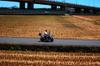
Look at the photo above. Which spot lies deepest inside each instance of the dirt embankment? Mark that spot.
(59, 26)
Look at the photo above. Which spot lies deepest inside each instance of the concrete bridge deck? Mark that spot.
(53, 2)
(78, 8)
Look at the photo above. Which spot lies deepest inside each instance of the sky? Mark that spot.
(95, 3)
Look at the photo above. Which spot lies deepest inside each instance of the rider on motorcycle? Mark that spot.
(46, 36)
(46, 33)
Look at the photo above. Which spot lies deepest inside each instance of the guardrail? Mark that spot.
(30, 12)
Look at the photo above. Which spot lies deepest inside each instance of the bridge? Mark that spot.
(54, 3)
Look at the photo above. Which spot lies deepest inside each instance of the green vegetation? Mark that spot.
(50, 48)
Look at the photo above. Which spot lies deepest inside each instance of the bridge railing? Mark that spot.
(62, 1)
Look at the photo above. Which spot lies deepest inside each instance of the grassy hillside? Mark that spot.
(60, 26)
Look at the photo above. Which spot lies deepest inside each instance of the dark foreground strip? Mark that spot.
(50, 48)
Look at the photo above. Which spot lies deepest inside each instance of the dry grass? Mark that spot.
(93, 19)
(28, 58)
(60, 26)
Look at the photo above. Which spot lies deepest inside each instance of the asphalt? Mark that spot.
(57, 42)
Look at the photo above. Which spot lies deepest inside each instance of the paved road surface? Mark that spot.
(57, 42)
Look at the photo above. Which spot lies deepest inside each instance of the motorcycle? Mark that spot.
(46, 38)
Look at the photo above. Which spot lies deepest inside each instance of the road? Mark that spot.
(57, 42)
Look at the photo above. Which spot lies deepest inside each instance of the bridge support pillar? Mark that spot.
(86, 11)
(94, 11)
(77, 10)
(22, 5)
(30, 5)
(53, 7)
(62, 8)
